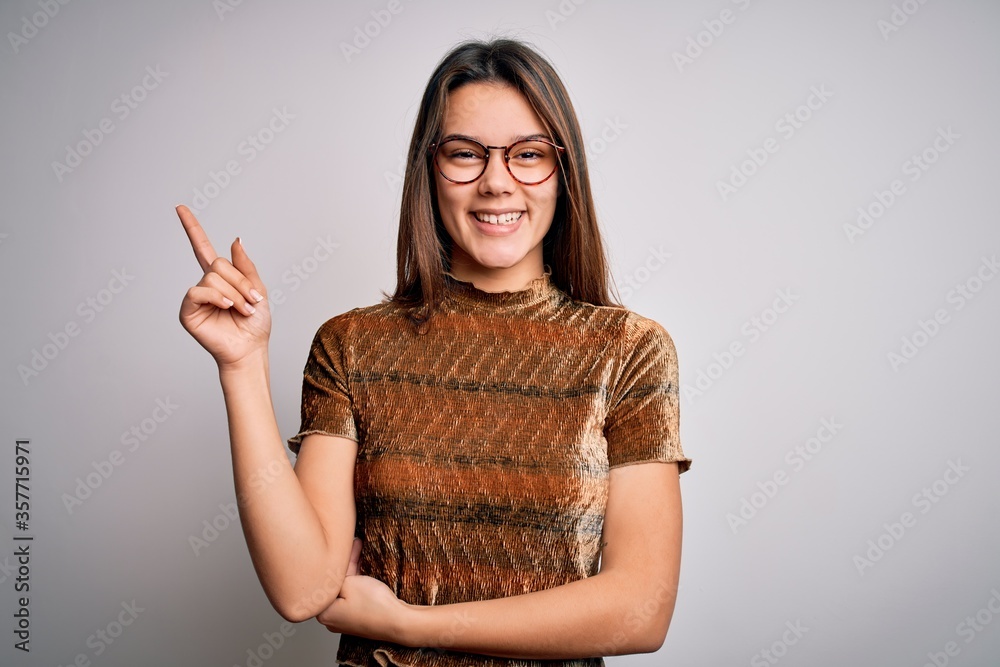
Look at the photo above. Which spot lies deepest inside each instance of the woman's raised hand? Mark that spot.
(227, 312)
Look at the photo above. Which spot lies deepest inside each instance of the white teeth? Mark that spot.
(502, 219)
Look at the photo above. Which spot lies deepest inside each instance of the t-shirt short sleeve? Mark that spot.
(643, 418)
(326, 400)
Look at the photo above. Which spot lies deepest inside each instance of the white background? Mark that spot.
(663, 133)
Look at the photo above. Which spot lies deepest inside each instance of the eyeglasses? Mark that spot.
(529, 162)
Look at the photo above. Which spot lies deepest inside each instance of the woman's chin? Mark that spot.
(496, 262)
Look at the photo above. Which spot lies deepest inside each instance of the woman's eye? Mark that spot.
(528, 153)
(526, 159)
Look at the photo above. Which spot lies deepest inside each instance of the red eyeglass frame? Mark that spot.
(506, 158)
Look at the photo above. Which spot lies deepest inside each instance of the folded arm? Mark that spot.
(625, 608)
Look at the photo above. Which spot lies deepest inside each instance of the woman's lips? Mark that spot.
(499, 228)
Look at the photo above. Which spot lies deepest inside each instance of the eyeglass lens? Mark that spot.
(464, 161)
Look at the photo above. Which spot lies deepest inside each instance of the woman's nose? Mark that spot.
(496, 179)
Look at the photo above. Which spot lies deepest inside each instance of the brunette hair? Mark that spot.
(572, 246)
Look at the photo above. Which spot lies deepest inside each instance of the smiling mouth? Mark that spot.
(501, 219)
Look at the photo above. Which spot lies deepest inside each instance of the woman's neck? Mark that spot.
(509, 279)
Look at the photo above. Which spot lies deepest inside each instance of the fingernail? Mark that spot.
(240, 241)
(250, 309)
(255, 294)
(227, 301)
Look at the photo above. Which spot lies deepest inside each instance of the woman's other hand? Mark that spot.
(366, 607)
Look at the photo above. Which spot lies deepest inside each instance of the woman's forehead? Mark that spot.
(478, 108)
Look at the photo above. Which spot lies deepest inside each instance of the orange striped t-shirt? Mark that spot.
(484, 444)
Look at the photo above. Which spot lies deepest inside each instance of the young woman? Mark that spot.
(488, 460)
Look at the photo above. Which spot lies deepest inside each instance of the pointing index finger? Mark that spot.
(202, 247)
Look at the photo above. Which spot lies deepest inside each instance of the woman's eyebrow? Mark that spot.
(531, 137)
(457, 136)
(514, 140)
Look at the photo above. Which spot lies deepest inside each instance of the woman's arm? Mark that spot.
(625, 608)
(298, 523)
(299, 531)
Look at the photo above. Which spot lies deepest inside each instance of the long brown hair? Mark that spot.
(572, 246)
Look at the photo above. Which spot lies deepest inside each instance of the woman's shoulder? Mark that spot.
(636, 333)
(629, 323)
(636, 324)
